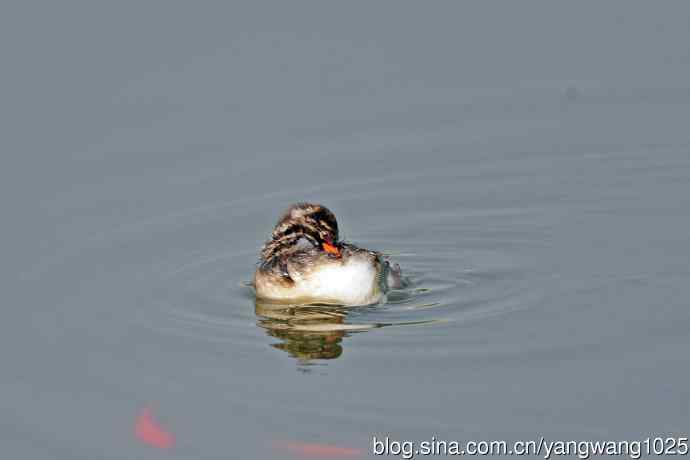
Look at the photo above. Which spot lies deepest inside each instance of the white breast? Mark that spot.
(356, 282)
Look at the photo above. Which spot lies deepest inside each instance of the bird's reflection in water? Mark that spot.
(307, 332)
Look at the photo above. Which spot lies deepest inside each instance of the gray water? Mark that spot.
(527, 164)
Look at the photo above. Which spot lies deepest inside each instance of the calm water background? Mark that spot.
(528, 164)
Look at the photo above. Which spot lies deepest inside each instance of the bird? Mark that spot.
(305, 262)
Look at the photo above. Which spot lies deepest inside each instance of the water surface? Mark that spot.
(527, 166)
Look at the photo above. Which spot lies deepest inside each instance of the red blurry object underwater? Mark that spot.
(148, 431)
(151, 433)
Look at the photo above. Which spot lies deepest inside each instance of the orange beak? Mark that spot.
(331, 249)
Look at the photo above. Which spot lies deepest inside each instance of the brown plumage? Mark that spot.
(314, 222)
